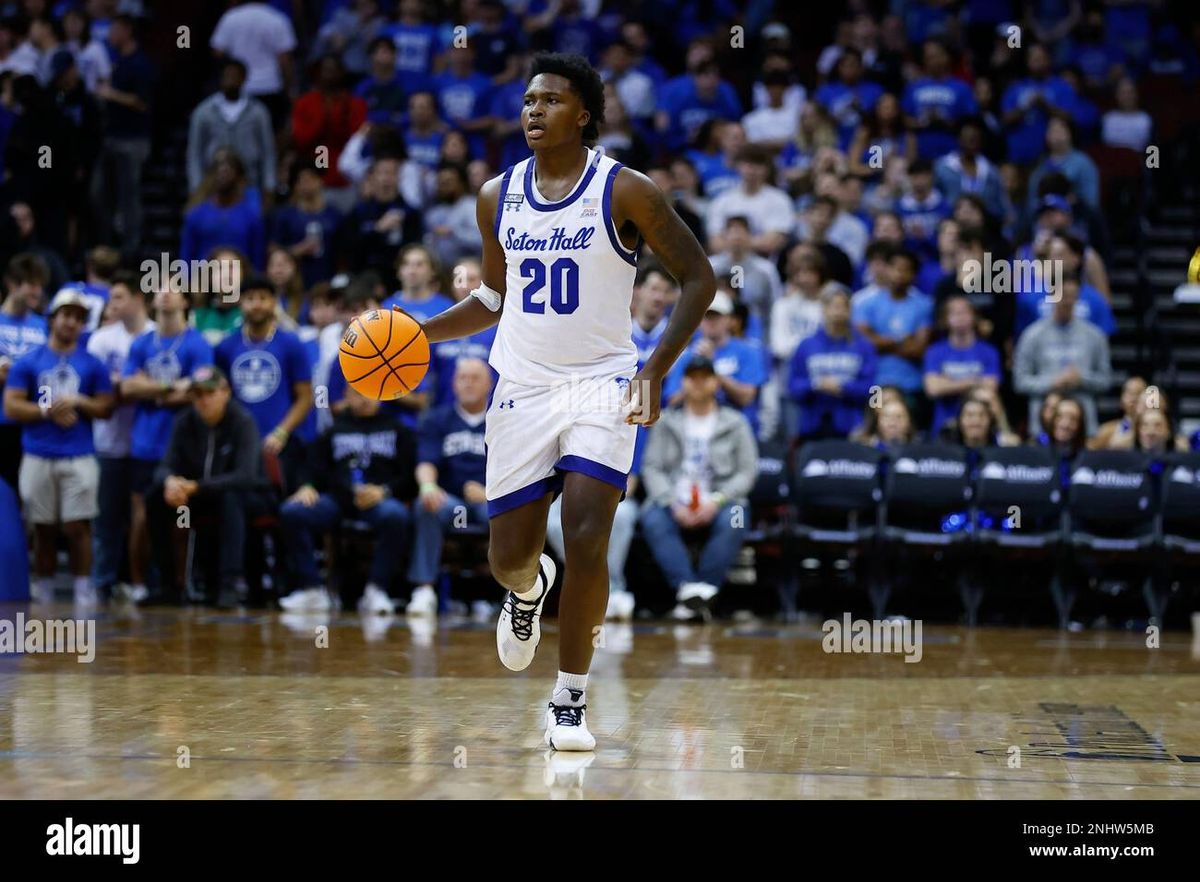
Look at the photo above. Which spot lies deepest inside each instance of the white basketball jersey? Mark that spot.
(569, 280)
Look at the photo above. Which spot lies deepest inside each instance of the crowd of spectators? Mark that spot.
(868, 216)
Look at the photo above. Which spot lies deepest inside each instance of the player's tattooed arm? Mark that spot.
(470, 315)
(637, 201)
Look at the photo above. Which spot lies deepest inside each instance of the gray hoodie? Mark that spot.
(249, 135)
(1046, 349)
(732, 453)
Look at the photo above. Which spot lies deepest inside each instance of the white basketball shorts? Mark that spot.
(534, 434)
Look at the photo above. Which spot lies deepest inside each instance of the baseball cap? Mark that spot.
(699, 363)
(721, 304)
(1054, 203)
(206, 377)
(69, 297)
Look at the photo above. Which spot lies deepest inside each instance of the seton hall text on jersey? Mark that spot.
(558, 240)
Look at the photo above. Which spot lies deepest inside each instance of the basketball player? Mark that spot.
(561, 233)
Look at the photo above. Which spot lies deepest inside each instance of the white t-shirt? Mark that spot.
(768, 211)
(771, 124)
(111, 345)
(256, 34)
(695, 481)
(794, 318)
(94, 64)
(1126, 129)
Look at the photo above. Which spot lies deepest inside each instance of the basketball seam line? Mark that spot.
(386, 361)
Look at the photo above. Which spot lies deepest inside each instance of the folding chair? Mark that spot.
(1017, 516)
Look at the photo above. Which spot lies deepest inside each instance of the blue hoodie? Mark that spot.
(850, 361)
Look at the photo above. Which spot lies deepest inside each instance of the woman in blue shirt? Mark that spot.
(224, 210)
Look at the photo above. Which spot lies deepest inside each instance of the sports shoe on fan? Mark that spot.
(306, 600)
(518, 629)
(424, 602)
(682, 614)
(376, 602)
(566, 724)
(698, 597)
(87, 597)
(620, 606)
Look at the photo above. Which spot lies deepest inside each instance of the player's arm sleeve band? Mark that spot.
(491, 299)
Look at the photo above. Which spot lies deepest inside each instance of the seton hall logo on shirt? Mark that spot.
(558, 240)
(255, 376)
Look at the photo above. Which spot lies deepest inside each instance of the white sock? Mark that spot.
(534, 591)
(44, 586)
(571, 687)
(139, 587)
(82, 584)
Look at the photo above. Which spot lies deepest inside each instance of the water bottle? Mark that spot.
(314, 230)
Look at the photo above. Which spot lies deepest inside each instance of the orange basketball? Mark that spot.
(384, 354)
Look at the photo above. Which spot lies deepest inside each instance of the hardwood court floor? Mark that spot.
(194, 703)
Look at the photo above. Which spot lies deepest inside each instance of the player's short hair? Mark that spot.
(737, 220)
(584, 80)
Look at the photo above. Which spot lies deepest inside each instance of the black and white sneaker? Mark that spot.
(519, 630)
(566, 723)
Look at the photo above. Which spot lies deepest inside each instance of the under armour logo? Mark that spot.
(507, 404)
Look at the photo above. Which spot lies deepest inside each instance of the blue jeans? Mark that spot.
(665, 538)
(431, 527)
(300, 522)
(624, 522)
(111, 529)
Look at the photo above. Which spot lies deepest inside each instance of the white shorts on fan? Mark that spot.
(534, 434)
(59, 491)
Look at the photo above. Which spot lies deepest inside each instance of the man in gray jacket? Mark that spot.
(230, 118)
(1063, 353)
(700, 464)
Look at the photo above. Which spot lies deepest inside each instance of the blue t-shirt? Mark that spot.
(847, 104)
(421, 310)
(311, 342)
(737, 358)
(1027, 136)
(920, 219)
(17, 337)
(59, 374)
(715, 175)
(425, 150)
(506, 104)
(452, 444)
(688, 111)
(164, 360)
(463, 100)
(949, 100)
(416, 46)
(262, 373)
(445, 358)
(208, 226)
(980, 359)
(291, 225)
(1090, 307)
(895, 319)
